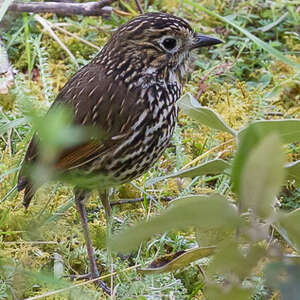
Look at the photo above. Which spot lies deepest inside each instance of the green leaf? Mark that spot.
(204, 115)
(60, 134)
(291, 224)
(249, 137)
(284, 276)
(8, 172)
(208, 237)
(4, 6)
(88, 181)
(252, 37)
(234, 293)
(216, 166)
(12, 124)
(185, 199)
(178, 260)
(283, 233)
(262, 176)
(58, 286)
(212, 211)
(3, 216)
(288, 130)
(293, 172)
(246, 143)
(230, 258)
(273, 24)
(60, 211)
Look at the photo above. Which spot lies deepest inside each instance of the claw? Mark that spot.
(89, 276)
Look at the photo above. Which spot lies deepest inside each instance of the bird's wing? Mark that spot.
(97, 101)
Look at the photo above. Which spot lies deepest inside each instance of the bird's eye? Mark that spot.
(169, 43)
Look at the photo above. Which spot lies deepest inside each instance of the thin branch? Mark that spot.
(200, 157)
(31, 243)
(74, 36)
(99, 8)
(81, 284)
(6, 71)
(139, 6)
(48, 28)
(121, 12)
(136, 200)
(63, 1)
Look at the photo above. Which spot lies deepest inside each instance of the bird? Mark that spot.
(128, 91)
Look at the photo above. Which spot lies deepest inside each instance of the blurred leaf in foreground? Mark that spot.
(56, 135)
(232, 293)
(246, 143)
(212, 211)
(291, 224)
(288, 130)
(231, 258)
(230, 267)
(262, 176)
(55, 132)
(285, 277)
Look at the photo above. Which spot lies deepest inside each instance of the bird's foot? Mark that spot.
(90, 276)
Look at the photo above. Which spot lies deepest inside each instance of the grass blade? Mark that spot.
(252, 37)
(4, 8)
(216, 166)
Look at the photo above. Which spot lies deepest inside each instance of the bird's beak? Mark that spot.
(201, 40)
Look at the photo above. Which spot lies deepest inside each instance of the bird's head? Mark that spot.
(153, 43)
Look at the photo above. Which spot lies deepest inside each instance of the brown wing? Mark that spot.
(98, 101)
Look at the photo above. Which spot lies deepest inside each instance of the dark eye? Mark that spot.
(169, 43)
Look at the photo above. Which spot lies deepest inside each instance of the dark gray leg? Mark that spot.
(80, 197)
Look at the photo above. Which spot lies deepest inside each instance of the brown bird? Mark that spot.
(129, 92)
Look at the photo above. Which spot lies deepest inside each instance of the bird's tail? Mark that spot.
(24, 183)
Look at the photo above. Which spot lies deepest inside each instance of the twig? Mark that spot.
(74, 36)
(276, 114)
(200, 157)
(138, 4)
(30, 243)
(99, 8)
(48, 28)
(121, 12)
(63, 1)
(6, 71)
(136, 200)
(81, 284)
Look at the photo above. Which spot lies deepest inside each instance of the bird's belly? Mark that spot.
(142, 155)
(133, 157)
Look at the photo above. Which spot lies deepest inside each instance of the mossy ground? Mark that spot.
(237, 79)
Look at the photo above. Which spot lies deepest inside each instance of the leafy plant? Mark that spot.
(257, 173)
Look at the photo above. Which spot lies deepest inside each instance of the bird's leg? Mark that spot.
(80, 197)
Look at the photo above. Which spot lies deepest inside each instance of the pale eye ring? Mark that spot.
(169, 43)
